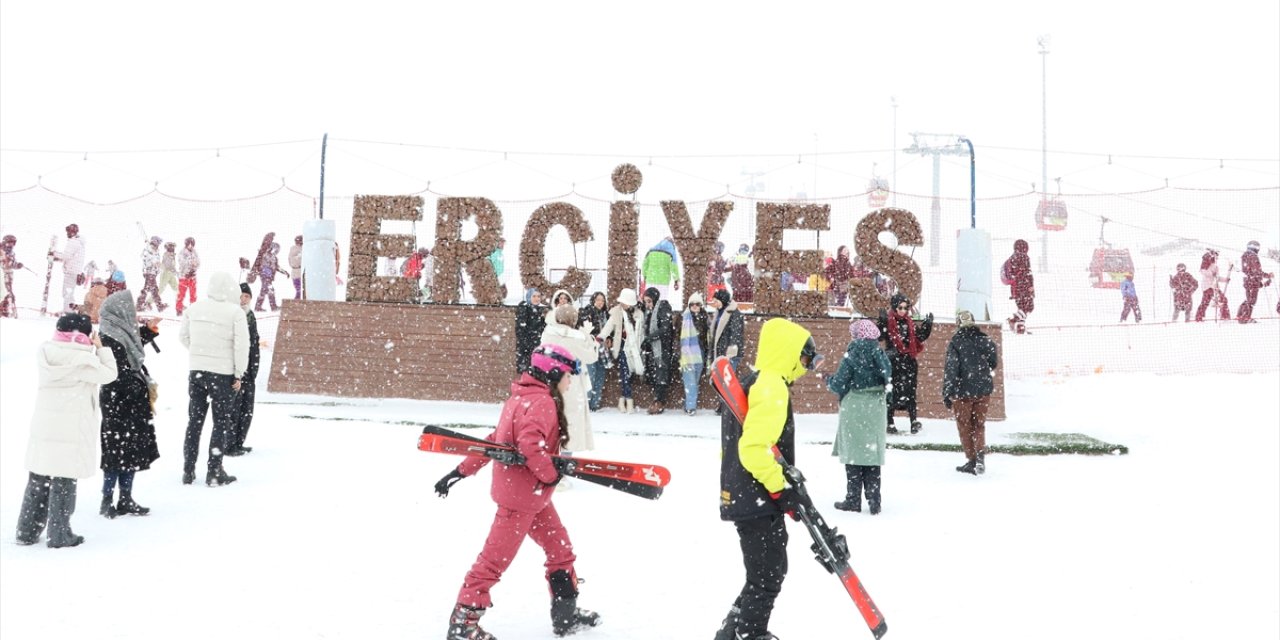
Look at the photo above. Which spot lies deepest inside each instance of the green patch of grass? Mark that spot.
(1031, 444)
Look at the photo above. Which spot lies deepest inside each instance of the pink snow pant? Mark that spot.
(508, 531)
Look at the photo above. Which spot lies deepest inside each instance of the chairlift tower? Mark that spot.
(936, 145)
(1043, 42)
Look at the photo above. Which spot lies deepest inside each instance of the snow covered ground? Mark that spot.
(333, 530)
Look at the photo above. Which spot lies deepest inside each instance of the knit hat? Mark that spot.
(627, 297)
(864, 329)
(75, 322)
(553, 361)
(964, 318)
(695, 298)
(244, 288)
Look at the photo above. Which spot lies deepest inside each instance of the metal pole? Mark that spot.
(973, 189)
(893, 187)
(1043, 41)
(324, 146)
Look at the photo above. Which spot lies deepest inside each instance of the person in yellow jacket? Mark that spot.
(753, 491)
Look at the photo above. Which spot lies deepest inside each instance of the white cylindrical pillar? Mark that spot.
(973, 273)
(319, 268)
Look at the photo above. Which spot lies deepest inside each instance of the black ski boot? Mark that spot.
(566, 617)
(980, 464)
(968, 467)
(464, 624)
(107, 510)
(729, 628)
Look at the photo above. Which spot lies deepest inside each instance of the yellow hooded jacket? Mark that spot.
(748, 470)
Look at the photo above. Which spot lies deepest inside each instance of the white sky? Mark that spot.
(645, 78)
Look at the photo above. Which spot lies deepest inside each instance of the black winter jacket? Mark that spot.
(530, 321)
(743, 497)
(971, 356)
(128, 436)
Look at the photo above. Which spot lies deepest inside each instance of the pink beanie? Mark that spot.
(864, 330)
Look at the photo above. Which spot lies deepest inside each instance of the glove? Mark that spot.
(788, 502)
(566, 466)
(888, 388)
(928, 317)
(587, 327)
(731, 352)
(947, 401)
(442, 487)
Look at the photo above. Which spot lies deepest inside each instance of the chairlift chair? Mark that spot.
(1051, 214)
(1109, 265)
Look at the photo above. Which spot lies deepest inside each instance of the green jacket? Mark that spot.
(659, 268)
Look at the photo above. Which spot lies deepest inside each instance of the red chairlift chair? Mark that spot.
(1051, 214)
(1109, 265)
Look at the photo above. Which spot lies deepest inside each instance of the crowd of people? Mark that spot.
(95, 406)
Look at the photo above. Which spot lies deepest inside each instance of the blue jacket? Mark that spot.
(1127, 289)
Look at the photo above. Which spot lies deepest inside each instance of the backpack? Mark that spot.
(1006, 271)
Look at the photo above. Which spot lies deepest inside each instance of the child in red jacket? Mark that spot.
(533, 420)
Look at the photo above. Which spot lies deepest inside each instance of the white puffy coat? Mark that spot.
(576, 410)
(633, 324)
(215, 330)
(67, 421)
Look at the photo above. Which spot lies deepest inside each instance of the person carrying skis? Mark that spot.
(1254, 278)
(1209, 281)
(1184, 287)
(533, 420)
(151, 276)
(903, 341)
(753, 491)
(9, 305)
(72, 258)
(1129, 293)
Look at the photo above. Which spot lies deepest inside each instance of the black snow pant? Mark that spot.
(243, 413)
(860, 478)
(764, 554)
(49, 500)
(201, 387)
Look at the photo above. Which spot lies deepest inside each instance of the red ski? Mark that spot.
(829, 546)
(643, 480)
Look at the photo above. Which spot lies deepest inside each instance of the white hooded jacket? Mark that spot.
(67, 421)
(215, 330)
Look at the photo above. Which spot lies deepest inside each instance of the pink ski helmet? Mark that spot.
(554, 361)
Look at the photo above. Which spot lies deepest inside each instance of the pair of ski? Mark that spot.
(643, 480)
(829, 547)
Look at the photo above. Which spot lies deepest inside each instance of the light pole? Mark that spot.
(893, 186)
(1043, 41)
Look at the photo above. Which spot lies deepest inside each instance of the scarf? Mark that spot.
(119, 321)
(72, 336)
(690, 348)
(913, 346)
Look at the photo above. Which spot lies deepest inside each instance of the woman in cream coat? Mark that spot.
(560, 331)
(625, 318)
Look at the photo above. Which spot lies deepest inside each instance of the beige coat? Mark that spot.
(633, 324)
(576, 410)
(67, 420)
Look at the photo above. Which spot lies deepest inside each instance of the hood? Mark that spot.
(528, 295)
(60, 360)
(897, 299)
(1021, 246)
(666, 246)
(778, 350)
(223, 288)
(557, 295)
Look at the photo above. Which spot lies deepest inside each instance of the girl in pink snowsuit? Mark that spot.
(533, 420)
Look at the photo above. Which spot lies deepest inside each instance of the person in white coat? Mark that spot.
(623, 334)
(63, 446)
(216, 333)
(72, 258)
(560, 331)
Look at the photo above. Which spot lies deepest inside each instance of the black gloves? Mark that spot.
(442, 487)
(565, 466)
(788, 500)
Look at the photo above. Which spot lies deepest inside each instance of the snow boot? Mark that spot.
(892, 430)
(729, 627)
(464, 624)
(127, 506)
(657, 407)
(218, 477)
(188, 477)
(622, 405)
(980, 464)
(916, 426)
(631, 405)
(566, 617)
(853, 489)
(756, 636)
(62, 503)
(35, 509)
(107, 510)
(850, 504)
(968, 467)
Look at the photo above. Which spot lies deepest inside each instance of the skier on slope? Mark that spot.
(753, 490)
(8, 263)
(533, 420)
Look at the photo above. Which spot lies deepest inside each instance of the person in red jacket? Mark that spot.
(1022, 287)
(1254, 278)
(533, 420)
(1184, 287)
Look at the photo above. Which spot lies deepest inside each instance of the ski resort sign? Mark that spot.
(452, 253)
